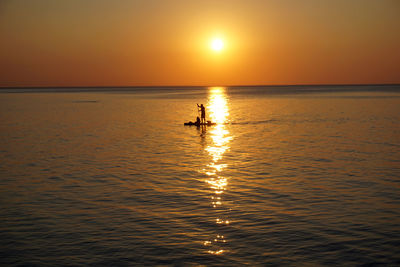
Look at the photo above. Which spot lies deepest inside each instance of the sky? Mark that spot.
(167, 42)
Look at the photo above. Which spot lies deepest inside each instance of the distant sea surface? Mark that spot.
(289, 176)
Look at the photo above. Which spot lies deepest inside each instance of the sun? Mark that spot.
(217, 44)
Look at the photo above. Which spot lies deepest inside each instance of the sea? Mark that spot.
(288, 176)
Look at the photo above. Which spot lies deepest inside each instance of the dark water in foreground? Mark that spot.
(289, 176)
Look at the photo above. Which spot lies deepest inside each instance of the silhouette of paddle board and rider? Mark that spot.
(202, 110)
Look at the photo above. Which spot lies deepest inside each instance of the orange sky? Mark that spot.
(147, 42)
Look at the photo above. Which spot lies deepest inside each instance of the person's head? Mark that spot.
(201, 105)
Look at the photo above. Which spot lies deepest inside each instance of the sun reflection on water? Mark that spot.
(218, 110)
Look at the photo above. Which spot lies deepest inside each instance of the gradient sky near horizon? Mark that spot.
(148, 42)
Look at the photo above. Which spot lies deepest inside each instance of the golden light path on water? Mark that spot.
(218, 112)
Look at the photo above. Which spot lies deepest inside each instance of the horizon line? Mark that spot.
(192, 86)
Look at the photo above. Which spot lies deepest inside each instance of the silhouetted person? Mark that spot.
(203, 113)
(197, 121)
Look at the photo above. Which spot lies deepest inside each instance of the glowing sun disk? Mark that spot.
(217, 44)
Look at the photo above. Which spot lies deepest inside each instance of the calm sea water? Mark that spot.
(289, 176)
